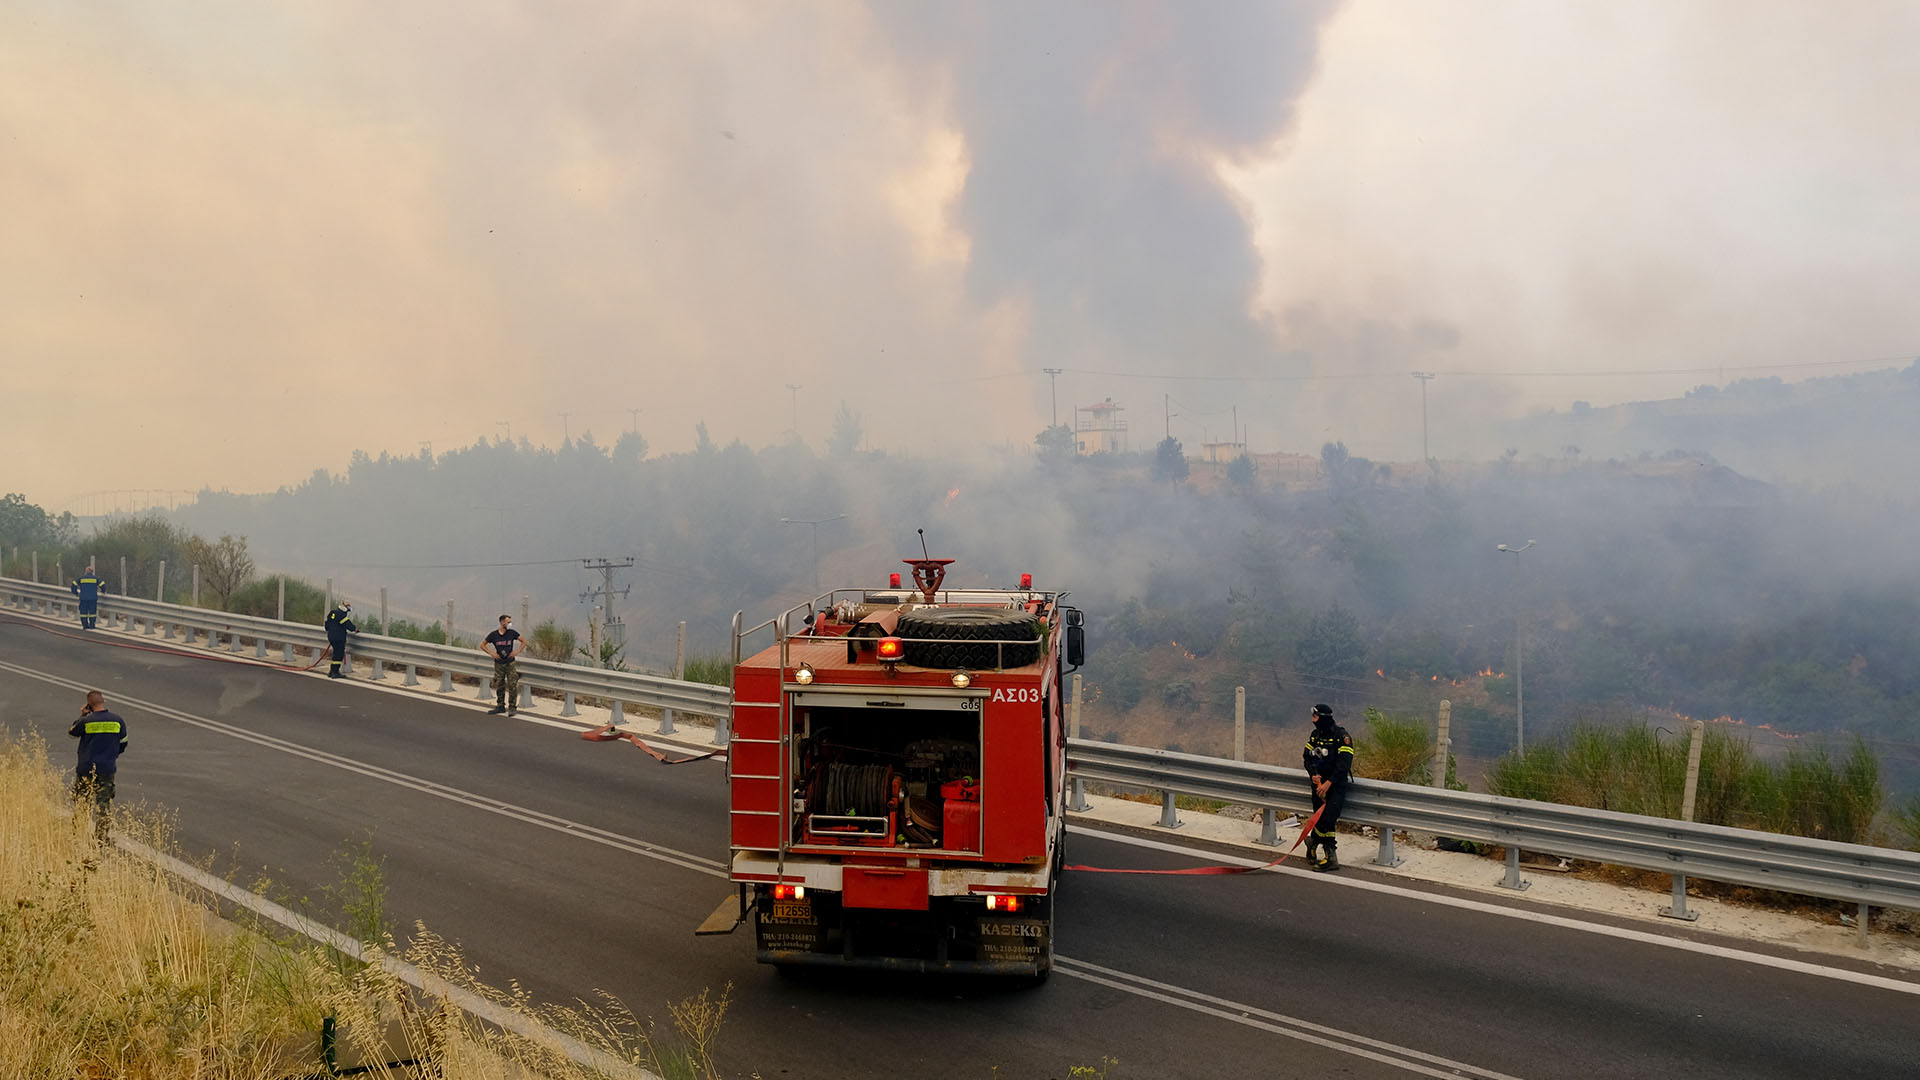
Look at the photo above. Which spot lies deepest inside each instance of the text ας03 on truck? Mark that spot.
(897, 775)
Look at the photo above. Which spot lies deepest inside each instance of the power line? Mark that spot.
(449, 566)
(1493, 374)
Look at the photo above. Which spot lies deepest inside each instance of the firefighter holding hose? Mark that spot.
(1328, 760)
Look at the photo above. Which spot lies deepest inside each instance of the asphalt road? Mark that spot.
(575, 868)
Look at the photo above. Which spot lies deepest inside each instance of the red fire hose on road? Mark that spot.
(1202, 870)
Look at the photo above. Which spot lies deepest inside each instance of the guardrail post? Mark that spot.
(567, 707)
(1513, 879)
(722, 731)
(286, 652)
(1077, 800)
(1866, 918)
(1678, 910)
(166, 630)
(446, 681)
(379, 669)
(618, 717)
(233, 643)
(1169, 817)
(1269, 827)
(1385, 856)
(526, 696)
(481, 691)
(413, 677)
(148, 622)
(260, 648)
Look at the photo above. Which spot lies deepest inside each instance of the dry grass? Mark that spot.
(111, 967)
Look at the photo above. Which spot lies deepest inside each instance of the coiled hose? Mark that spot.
(856, 790)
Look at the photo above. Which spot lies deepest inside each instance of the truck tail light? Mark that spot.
(890, 649)
(997, 902)
(789, 892)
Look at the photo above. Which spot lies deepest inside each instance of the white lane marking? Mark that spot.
(632, 845)
(1800, 967)
(1290, 1027)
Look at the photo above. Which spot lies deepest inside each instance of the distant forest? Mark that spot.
(1660, 588)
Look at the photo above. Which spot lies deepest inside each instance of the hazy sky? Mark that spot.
(242, 240)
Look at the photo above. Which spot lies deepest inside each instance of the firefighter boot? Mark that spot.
(1313, 850)
(1331, 861)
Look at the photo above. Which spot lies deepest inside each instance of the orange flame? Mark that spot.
(951, 495)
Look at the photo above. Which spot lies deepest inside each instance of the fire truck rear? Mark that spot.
(897, 771)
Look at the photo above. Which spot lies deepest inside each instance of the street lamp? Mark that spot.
(1519, 655)
(816, 541)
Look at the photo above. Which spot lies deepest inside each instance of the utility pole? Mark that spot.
(1425, 377)
(1053, 377)
(1167, 406)
(816, 541)
(616, 631)
(499, 570)
(566, 433)
(795, 388)
(1519, 655)
(635, 414)
(507, 424)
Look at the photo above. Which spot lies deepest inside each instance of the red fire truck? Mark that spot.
(897, 771)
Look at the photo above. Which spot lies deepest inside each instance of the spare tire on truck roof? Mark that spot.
(961, 637)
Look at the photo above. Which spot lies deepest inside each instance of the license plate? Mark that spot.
(793, 911)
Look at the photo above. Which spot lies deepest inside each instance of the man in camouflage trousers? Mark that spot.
(504, 645)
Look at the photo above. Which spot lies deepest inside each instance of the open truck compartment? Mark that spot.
(896, 776)
(887, 777)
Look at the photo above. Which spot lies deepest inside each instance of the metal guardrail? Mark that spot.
(567, 680)
(1795, 864)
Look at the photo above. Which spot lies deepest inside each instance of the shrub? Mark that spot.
(306, 602)
(716, 670)
(1393, 749)
(412, 631)
(551, 641)
(1631, 770)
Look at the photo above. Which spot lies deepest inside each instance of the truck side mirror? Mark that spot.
(1076, 644)
(1072, 615)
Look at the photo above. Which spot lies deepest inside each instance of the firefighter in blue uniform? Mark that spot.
(1328, 760)
(103, 738)
(339, 625)
(87, 588)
